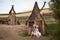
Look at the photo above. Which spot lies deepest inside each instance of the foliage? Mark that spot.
(55, 5)
(52, 29)
(25, 34)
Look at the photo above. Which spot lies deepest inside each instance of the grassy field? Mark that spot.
(54, 30)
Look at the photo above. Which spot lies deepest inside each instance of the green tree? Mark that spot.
(55, 6)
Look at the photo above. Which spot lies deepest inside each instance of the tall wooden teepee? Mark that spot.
(12, 19)
(37, 18)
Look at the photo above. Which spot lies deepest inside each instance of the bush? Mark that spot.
(25, 34)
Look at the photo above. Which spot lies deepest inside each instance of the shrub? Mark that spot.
(25, 34)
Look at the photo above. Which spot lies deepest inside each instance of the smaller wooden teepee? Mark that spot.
(37, 18)
(12, 19)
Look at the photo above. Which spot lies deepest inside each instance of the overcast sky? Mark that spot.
(20, 5)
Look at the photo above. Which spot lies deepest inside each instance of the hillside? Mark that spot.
(27, 13)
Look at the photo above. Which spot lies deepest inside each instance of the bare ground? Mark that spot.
(10, 32)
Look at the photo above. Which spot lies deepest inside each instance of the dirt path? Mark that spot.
(10, 32)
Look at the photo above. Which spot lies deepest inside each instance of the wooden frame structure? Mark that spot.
(12, 19)
(37, 18)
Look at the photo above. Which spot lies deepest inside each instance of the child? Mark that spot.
(36, 32)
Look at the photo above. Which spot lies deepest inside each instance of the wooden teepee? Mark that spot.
(37, 18)
(12, 19)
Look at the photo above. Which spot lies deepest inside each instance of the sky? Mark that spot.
(20, 5)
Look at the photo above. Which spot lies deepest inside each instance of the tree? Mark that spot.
(55, 6)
